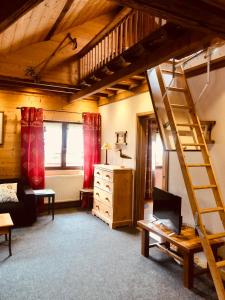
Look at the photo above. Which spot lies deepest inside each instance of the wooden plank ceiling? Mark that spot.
(36, 24)
(35, 35)
(30, 30)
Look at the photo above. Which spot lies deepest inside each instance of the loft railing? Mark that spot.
(132, 29)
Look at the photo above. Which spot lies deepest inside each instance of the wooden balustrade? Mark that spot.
(133, 28)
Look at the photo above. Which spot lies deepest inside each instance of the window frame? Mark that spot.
(64, 148)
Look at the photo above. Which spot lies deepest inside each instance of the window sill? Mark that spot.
(63, 172)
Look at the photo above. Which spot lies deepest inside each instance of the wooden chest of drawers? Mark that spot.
(113, 195)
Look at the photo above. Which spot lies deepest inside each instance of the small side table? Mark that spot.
(6, 224)
(86, 197)
(50, 194)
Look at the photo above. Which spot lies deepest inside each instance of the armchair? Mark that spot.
(23, 213)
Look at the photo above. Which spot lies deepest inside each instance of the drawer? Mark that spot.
(97, 194)
(104, 197)
(107, 175)
(102, 209)
(107, 198)
(103, 184)
(98, 173)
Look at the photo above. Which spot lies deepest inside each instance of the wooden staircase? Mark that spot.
(181, 131)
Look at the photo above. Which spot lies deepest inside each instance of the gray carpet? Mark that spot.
(78, 257)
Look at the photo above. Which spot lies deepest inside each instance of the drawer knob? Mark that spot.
(107, 199)
(108, 186)
(98, 182)
(97, 206)
(98, 173)
(107, 212)
(107, 176)
(97, 194)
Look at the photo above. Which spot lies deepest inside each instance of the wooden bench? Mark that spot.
(187, 244)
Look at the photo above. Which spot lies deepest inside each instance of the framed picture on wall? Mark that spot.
(1, 126)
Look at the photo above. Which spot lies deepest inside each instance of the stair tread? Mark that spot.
(220, 264)
(198, 165)
(202, 187)
(180, 106)
(185, 132)
(192, 144)
(213, 209)
(176, 89)
(188, 125)
(216, 235)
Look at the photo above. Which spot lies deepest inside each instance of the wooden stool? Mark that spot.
(5, 228)
(86, 197)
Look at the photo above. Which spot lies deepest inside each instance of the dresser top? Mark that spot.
(111, 167)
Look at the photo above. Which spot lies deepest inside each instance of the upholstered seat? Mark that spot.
(23, 212)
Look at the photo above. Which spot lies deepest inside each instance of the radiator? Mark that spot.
(66, 187)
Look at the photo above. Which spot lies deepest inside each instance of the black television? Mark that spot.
(167, 209)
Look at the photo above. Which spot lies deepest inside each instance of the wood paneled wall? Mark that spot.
(10, 150)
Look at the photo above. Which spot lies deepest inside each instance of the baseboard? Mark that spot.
(65, 204)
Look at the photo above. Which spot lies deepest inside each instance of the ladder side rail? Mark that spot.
(186, 175)
(188, 181)
(206, 156)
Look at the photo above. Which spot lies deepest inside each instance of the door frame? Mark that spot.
(139, 181)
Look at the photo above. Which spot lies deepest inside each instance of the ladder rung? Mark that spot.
(176, 89)
(215, 236)
(210, 210)
(185, 133)
(187, 125)
(204, 187)
(192, 144)
(180, 106)
(220, 264)
(171, 72)
(197, 165)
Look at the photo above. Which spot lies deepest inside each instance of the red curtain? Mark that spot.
(32, 147)
(92, 145)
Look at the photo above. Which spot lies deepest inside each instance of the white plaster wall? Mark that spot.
(121, 116)
(211, 106)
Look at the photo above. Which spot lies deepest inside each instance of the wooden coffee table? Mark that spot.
(6, 224)
(187, 243)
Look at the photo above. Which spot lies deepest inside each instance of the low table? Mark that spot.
(50, 194)
(86, 197)
(6, 224)
(187, 244)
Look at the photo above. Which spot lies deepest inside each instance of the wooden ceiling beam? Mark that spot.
(117, 19)
(167, 42)
(120, 86)
(65, 9)
(17, 83)
(12, 10)
(204, 15)
(125, 94)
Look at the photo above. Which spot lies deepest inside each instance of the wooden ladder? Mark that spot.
(175, 112)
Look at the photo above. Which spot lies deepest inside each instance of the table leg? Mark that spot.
(145, 243)
(10, 250)
(6, 238)
(53, 207)
(188, 270)
(49, 205)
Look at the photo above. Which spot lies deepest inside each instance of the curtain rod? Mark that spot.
(66, 111)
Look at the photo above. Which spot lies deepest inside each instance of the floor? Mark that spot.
(78, 257)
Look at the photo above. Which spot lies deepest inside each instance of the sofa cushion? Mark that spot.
(8, 195)
(9, 186)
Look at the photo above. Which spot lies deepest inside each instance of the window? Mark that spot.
(63, 145)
